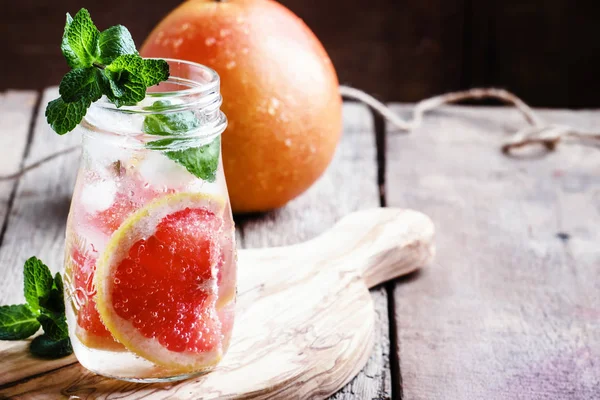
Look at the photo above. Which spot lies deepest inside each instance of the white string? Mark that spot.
(537, 132)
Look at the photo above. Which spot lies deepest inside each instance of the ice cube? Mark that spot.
(163, 173)
(98, 196)
(104, 152)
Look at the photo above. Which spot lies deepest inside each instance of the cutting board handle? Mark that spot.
(383, 243)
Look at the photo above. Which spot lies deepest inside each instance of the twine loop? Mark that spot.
(536, 133)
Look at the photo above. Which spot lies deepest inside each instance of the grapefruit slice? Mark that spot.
(80, 266)
(157, 282)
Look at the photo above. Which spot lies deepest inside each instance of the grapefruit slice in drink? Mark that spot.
(80, 266)
(157, 282)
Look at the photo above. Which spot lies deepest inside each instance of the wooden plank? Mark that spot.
(36, 224)
(349, 184)
(511, 306)
(16, 110)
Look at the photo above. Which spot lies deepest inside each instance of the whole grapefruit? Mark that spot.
(279, 87)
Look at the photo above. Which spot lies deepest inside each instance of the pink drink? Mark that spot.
(150, 265)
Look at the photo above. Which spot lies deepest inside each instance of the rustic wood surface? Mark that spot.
(35, 224)
(16, 110)
(511, 307)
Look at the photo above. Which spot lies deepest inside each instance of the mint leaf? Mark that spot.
(82, 38)
(17, 322)
(69, 54)
(202, 161)
(38, 283)
(79, 83)
(104, 63)
(55, 302)
(45, 308)
(114, 42)
(46, 347)
(53, 318)
(126, 89)
(127, 62)
(155, 71)
(58, 283)
(149, 70)
(54, 324)
(170, 124)
(159, 105)
(63, 117)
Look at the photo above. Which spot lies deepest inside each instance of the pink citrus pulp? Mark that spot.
(157, 282)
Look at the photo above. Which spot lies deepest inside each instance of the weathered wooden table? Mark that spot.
(511, 306)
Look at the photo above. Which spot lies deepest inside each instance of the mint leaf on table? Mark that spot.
(17, 322)
(38, 283)
(200, 161)
(55, 302)
(52, 310)
(104, 63)
(46, 347)
(45, 307)
(54, 324)
(114, 42)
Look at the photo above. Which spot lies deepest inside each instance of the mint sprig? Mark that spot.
(103, 63)
(38, 283)
(45, 347)
(45, 308)
(17, 322)
(200, 161)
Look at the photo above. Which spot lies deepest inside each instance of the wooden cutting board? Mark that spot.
(304, 325)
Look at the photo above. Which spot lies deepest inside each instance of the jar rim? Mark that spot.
(194, 93)
(197, 90)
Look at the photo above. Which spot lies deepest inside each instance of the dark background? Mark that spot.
(547, 52)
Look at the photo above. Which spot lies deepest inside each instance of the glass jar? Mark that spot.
(150, 263)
